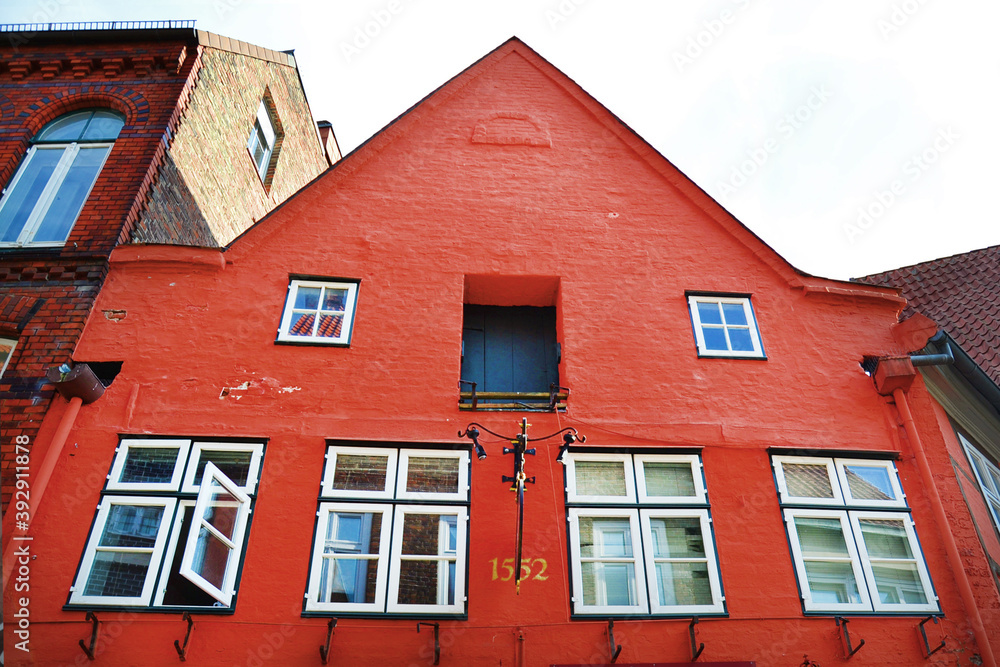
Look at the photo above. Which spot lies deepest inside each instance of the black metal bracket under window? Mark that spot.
(850, 650)
(437, 640)
(96, 624)
(324, 651)
(182, 650)
(696, 648)
(554, 400)
(613, 650)
(928, 651)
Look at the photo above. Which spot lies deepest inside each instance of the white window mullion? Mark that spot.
(824, 588)
(49, 191)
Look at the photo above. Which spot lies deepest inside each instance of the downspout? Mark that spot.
(79, 385)
(895, 381)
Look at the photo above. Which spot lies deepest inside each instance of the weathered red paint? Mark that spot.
(594, 222)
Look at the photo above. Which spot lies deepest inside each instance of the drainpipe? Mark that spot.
(79, 385)
(894, 377)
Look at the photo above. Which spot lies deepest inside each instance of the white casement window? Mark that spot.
(851, 553)
(391, 532)
(43, 200)
(262, 139)
(725, 326)
(171, 527)
(318, 312)
(641, 537)
(988, 475)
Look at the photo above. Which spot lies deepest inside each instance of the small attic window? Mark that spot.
(264, 140)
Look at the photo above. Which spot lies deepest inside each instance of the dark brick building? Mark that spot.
(127, 132)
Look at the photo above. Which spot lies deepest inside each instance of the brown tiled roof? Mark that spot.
(962, 294)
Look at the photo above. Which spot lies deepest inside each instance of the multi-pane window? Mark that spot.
(988, 475)
(262, 140)
(852, 538)
(43, 200)
(317, 311)
(640, 535)
(391, 531)
(6, 352)
(724, 326)
(171, 525)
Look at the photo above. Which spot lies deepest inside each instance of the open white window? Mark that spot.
(640, 537)
(988, 475)
(725, 326)
(850, 554)
(42, 202)
(215, 541)
(262, 140)
(376, 549)
(173, 534)
(317, 311)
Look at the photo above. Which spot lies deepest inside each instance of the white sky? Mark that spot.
(794, 114)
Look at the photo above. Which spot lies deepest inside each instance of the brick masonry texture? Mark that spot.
(209, 190)
(191, 183)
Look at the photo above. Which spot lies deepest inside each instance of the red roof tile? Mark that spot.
(962, 294)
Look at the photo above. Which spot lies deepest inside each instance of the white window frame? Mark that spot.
(381, 560)
(265, 123)
(77, 595)
(717, 605)
(393, 514)
(350, 306)
(573, 496)
(129, 445)
(849, 511)
(51, 189)
(396, 558)
(10, 344)
(699, 334)
(989, 486)
(234, 544)
(175, 499)
(256, 450)
(632, 516)
(332, 454)
(460, 493)
(696, 474)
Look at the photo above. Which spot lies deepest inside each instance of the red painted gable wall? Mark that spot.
(552, 187)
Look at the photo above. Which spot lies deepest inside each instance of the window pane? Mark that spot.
(683, 583)
(180, 590)
(605, 537)
(677, 537)
(668, 479)
(715, 338)
(307, 297)
(72, 192)
(222, 511)
(118, 574)
(67, 128)
(131, 526)
(330, 326)
(421, 582)
(869, 482)
(22, 199)
(734, 314)
(600, 478)
(709, 313)
(105, 125)
(608, 583)
(211, 558)
(348, 580)
(885, 538)
(806, 480)
(832, 582)
(360, 472)
(421, 533)
(334, 299)
(357, 533)
(302, 324)
(432, 474)
(149, 465)
(234, 465)
(899, 583)
(741, 340)
(819, 538)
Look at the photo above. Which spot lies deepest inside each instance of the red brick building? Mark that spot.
(110, 133)
(284, 461)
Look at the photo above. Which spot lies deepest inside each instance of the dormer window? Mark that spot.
(46, 195)
(263, 141)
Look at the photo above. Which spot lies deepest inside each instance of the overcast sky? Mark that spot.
(852, 136)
